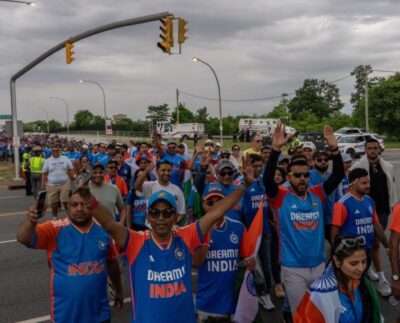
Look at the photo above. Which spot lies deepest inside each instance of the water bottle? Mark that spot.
(393, 301)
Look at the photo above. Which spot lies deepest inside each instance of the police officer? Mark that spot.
(36, 163)
(25, 166)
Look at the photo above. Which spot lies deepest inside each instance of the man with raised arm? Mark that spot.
(160, 260)
(299, 212)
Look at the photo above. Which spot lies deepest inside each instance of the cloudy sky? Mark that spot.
(258, 49)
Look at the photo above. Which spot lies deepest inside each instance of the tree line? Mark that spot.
(314, 104)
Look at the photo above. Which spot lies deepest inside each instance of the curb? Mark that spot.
(10, 188)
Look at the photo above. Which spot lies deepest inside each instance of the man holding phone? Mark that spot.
(81, 254)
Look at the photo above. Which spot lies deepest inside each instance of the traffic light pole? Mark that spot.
(51, 51)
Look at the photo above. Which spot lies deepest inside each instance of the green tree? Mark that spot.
(157, 113)
(98, 123)
(123, 125)
(320, 98)
(54, 125)
(185, 115)
(83, 119)
(201, 115)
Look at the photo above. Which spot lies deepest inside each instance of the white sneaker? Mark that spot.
(372, 275)
(266, 303)
(384, 288)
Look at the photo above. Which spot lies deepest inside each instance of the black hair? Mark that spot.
(357, 173)
(370, 139)
(283, 173)
(298, 156)
(253, 135)
(255, 158)
(297, 162)
(161, 162)
(135, 176)
(234, 145)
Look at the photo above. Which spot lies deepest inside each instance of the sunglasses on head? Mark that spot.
(298, 175)
(223, 174)
(155, 213)
(209, 144)
(351, 243)
(320, 160)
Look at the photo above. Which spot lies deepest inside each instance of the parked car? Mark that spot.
(315, 137)
(354, 145)
(347, 131)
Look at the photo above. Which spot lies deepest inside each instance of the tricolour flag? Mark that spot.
(247, 305)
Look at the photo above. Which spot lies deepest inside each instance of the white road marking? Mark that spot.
(11, 197)
(47, 317)
(13, 213)
(8, 241)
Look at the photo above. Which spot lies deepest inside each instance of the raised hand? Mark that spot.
(280, 137)
(330, 137)
(205, 158)
(248, 173)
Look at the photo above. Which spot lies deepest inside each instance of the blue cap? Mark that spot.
(162, 196)
(213, 190)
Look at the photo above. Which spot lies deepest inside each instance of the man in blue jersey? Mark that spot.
(299, 216)
(80, 255)
(217, 262)
(160, 260)
(355, 215)
(177, 162)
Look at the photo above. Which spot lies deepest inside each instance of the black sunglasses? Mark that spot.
(320, 160)
(155, 213)
(223, 174)
(298, 175)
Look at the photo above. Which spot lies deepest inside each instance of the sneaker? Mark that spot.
(279, 291)
(384, 288)
(266, 303)
(372, 275)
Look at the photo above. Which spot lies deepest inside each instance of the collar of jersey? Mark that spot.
(356, 197)
(83, 231)
(221, 227)
(159, 244)
(300, 197)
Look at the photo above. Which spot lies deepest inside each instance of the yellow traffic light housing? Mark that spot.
(167, 35)
(69, 52)
(182, 31)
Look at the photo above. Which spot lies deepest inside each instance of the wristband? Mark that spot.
(91, 203)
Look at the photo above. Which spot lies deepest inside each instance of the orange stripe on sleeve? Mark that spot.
(395, 225)
(340, 214)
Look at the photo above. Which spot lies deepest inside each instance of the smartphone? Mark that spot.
(41, 203)
(80, 180)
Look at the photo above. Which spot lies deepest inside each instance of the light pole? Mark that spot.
(23, 2)
(104, 102)
(196, 59)
(66, 107)
(47, 118)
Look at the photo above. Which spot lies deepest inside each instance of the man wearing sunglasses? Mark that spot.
(160, 260)
(256, 143)
(355, 214)
(299, 212)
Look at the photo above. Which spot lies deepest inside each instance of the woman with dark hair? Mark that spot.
(342, 294)
(136, 206)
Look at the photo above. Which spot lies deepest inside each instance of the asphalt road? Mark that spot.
(24, 275)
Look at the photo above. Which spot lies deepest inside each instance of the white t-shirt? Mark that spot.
(149, 187)
(57, 169)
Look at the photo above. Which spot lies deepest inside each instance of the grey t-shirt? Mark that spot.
(149, 187)
(57, 169)
(109, 196)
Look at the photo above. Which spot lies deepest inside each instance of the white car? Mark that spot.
(347, 131)
(354, 145)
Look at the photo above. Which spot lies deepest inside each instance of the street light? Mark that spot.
(67, 108)
(23, 2)
(104, 102)
(196, 59)
(47, 118)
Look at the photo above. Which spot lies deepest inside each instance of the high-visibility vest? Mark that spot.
(25, 161)
(37, 164)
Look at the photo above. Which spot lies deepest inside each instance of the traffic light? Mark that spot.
(167, 35)
(182, 30)
(69, 52)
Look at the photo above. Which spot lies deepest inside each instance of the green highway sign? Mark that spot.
(5, 116)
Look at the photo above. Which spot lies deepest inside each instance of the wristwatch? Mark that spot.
(395, 278)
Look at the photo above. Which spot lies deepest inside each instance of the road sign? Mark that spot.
(5, 116)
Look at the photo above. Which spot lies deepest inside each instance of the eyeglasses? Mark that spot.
(298, 175)
(351, 243)
(320, 160)
(211, 145)
(155, 213)
(223, 174)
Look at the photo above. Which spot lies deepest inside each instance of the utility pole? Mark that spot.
(366, 103)
(177, 106)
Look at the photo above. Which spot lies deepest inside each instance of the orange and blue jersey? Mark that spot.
(300, 227)
(78, 270)
(216, 276)
(356, 217)
(119, 183)
(160, 275)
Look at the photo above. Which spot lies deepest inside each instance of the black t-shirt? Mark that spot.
(379, 189)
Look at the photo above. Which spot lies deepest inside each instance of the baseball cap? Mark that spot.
(218, 144)
(162, 196)
(213, 190)
(209, 141)
(319, 153)
(309, 145)
(84, 146)
(346, 157)
(224, 164)
(141, 156)
(225, 152)
(98, 165)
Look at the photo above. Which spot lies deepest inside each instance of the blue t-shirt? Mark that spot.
(351, 311)
(300, 226)
(178, 165)
(216, 276)
(138, 204)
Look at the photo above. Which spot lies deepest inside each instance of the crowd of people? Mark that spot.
(158, 211)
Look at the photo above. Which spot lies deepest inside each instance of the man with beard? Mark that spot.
(317, 176)
(383, 192)
(80, 254)
(299, 212)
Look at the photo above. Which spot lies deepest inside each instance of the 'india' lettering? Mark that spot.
(167, 290)
(85, 268)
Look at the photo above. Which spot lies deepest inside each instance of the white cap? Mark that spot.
(208, 141)
(218, 144)
(346, 157)
(309, 144)
(84, 146)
